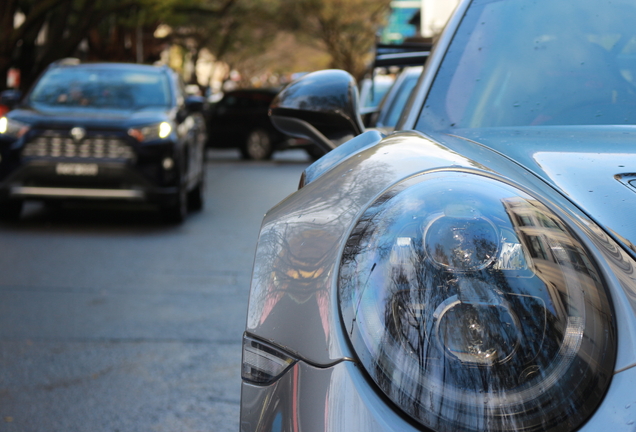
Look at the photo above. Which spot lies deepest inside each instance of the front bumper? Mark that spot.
(307, 398)
(58, 192)
(107, 164)
(339, 398)
(43, 180)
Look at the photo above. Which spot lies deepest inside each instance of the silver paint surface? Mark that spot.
(338, 398)
(293, 301)
(581, 161)
(297, 256)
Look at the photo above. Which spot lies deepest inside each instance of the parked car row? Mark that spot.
(390, 108)
(372, 91)
(473, 271)
(240, 118)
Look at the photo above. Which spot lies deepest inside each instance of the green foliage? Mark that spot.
(225, 26)
(232, 30)
(347, 28)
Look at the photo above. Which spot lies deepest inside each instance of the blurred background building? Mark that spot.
(416, 20)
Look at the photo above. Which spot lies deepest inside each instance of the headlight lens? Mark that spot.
(474, 307)
(12, 128)
(152, 132)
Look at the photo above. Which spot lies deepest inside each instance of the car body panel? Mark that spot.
(324, 236)
(336, 398)
(298, 252)
(339, 398)
(593, 168)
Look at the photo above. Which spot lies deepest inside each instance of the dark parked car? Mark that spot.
(408, 59)
(476, 270)
(372, 90)
(392, 104)
(104, 131)
(240, 120)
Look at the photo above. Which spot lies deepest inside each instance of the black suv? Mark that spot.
(104, 131)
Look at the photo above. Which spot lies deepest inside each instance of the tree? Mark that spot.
(11, 37)
(232, 30)
(50, 30)
(347, 28)
(238, 32)
(285, 55)
(109, 30)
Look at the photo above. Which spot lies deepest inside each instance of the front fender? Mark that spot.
(293, 301)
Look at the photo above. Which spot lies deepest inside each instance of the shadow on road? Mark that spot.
(91, 217)
(294, 156)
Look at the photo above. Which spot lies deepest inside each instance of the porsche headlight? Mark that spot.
(474, 307)
(12, 128)
(152, 132)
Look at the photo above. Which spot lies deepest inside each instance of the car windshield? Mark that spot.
(102, 88)
(537, 62)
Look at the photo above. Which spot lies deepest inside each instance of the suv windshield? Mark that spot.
(557, 62)
(102, 88)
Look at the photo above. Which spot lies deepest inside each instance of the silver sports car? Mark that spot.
(475, 271)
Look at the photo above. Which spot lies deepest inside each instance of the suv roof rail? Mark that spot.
(407, 54)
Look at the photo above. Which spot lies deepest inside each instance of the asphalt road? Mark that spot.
(111, 320)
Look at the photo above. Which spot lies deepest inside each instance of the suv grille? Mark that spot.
(52, 144)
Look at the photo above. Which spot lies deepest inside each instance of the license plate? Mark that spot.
(76, 169)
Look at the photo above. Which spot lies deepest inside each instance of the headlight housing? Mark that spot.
(151, 132)
(474, 307)
(12, 128)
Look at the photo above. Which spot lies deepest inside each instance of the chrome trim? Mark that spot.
(78, 133)
(51, 144)
(402, 55)
(76, 192)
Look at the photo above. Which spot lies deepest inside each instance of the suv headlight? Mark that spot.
(151, 132)
(474, 307)
(12, 128)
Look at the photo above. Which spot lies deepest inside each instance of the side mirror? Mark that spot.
(10, 98)
(322, 107)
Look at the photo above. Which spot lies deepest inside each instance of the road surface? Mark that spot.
(111, 320)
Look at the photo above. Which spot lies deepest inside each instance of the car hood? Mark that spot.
(594, 167)
(52, 117)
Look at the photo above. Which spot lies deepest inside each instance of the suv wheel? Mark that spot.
(177, 211)
(196, 195)
(10, 210)
(258, 145)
